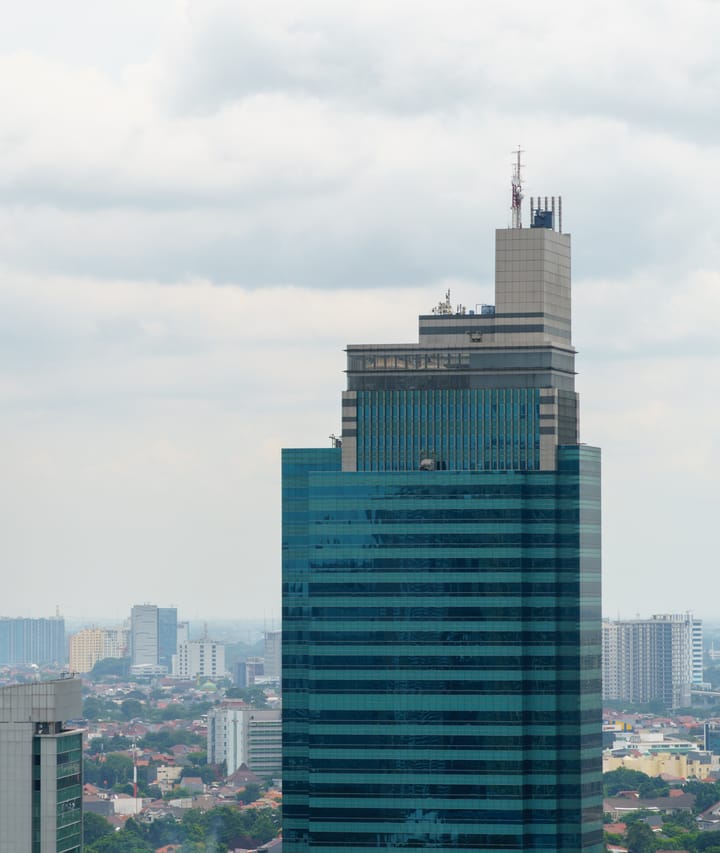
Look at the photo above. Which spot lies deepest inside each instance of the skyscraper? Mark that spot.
(273, 654)
(40, 767)
(154, 633)
(240, 735)
(441, 586)
(652, 660)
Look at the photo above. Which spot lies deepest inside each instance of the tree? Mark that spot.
(684, 820)
(95, 827)
(178, 793)
(653, 787)
(151, 791)
(119, 842)
(254, 695)
(117, 769)
(131, 708)
(263, 829)
(164, 740)
(250, 793)
(640, 838)
(110, 668)
(622, 779)
(97, 709)
(205, 771)
(706, 794)
(706, 841)
(194, 825)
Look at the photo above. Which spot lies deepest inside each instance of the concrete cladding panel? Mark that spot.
(45, 701)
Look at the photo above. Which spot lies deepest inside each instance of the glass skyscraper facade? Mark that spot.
(441, 588)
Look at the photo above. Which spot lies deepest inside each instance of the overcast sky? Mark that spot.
(202, 202)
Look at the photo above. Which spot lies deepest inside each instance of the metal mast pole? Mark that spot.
(517, 195)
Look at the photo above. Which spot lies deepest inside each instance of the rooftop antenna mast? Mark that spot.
(517, 195)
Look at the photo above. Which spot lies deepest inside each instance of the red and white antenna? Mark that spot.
(517, 195)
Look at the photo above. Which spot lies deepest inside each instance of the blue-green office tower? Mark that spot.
(441, 587)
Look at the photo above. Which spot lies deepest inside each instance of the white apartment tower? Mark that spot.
(656, 659)
(199, 659)
(240, 735)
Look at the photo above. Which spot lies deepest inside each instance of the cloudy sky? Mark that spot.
(202, 202)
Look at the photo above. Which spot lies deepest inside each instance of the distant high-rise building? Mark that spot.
(91, 645)
(183, 632)
(273, 654)
(441, 586)
(199, 659)
(153, 635)
(240, 735)
(247, 672)
(144, 634)
(652, 660)
(167, 635)
(32, 641)
(698, 653)
(40, 767)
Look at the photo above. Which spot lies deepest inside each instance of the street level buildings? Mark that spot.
(441, 586)
(652, 660)
(40, 767)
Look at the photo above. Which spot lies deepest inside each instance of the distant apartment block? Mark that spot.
(698, 674)
(183, 632)
(249, 672)
(40, 768)
(167, 635)
(32, 641)
(154, 632)
(273, 655)
(240, 735)
(91, 645)
(656, 659)
(199, 659)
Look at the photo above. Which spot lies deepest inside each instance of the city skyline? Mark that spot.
(202, 203)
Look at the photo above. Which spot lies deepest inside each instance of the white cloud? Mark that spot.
(332, 167)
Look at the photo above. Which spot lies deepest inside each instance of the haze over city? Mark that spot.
(201, 204)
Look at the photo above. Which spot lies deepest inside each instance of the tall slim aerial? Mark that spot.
(517, 193)
(441, 585)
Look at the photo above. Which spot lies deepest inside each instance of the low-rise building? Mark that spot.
(686, 765)
(620, 807)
